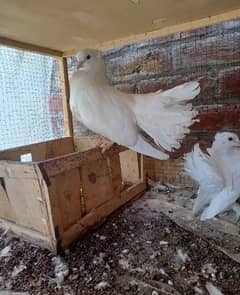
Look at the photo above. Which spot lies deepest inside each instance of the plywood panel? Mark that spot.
(84, 23)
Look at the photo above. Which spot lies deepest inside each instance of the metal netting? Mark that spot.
(30, 98)
(78, 128)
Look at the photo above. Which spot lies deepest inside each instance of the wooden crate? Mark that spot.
(66, 189)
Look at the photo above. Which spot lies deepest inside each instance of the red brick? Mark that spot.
(218, 119)
(229, 82)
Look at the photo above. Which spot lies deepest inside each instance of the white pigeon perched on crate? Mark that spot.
(218, 175)
(125, 119)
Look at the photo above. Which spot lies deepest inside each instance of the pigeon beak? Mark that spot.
(80, 65)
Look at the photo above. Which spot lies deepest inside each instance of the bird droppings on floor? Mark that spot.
(138, 250)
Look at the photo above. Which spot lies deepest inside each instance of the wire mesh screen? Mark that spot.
(30, 98)
(78, 128)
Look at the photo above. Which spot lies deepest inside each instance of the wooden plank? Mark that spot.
(97, 183)
(219, 118)
(98, 214)
(40, 151)
(27, 204)
(168, 30)
(84, 143)
(17, 170)
(6, 211)
(115, 173)
(65, 199)
(61, 164)
(68, 123)
(27, 234)
(129, 166)
(48, 210)
(30, 47)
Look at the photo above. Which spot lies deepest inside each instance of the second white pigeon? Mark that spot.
(125, 119)
(218, 175)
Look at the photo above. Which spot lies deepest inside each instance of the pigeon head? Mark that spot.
(90, 61)
(226, 140)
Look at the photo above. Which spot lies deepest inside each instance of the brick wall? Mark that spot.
(212, 53)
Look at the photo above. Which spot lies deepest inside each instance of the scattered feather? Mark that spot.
(209, 269)
(60, 268)
(102, 285)
(18, 269)
(163, 243)
(182, 256)
(5, 251)
(124, 263)
(212, 290)
(198, 291)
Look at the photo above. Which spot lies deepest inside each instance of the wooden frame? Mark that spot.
(68, 123)
(30, 47)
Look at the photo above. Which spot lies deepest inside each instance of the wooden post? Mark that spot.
(68, 123)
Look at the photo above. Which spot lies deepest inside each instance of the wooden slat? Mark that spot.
(61, 164)
(114, 167)
(16, 170)
(84, 143)
(30, 47)
(129, 166)
(40, 151)
(48, 214)
(27, 204)
(65, 199)
(68, 123)
(97, 183)
(6, 211)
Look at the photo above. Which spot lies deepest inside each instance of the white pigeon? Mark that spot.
(124, 118)
(218, 175)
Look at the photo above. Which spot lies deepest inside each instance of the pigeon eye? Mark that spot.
(230, 138)
(88, 56)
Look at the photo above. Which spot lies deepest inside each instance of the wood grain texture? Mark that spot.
(61, 164)
(68, 123)
(40, 151)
